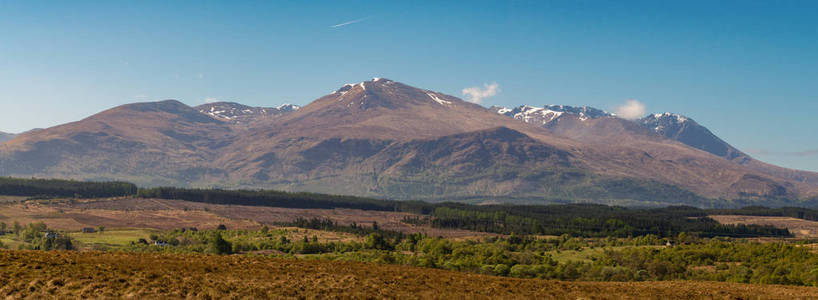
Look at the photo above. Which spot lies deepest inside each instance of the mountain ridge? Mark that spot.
(383, 138)
(672, 126)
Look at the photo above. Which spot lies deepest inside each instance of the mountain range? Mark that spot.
(382, 138)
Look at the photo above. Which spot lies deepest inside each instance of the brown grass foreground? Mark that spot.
(33, 274)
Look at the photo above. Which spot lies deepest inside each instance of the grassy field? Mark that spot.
(586, 253)
(34, 274)
(110, 238)
(10, 243)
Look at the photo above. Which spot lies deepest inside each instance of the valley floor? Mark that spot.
(161, 214)
(41, 274)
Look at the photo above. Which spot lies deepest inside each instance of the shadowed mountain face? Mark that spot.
(685, 130)
(383, 138)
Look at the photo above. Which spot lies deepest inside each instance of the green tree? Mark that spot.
(376, 241)
(218, 245)
(17, 228)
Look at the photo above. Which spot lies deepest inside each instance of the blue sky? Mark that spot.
(748, 70)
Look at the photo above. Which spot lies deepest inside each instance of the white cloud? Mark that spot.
(211, 100)
(476, 94)
(631, 109)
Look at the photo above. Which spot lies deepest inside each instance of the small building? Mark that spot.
(88, 230)
(160, 243)
(50, 235)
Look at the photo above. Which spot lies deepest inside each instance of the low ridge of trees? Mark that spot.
(282, 199)
(591, 220)
(573, 219)
(64, 188)
(792, 212)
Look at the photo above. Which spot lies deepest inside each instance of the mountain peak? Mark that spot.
(170, 105)
(686, 130)
(667, 116)
(549, 113)
(287, 107)
(382, 93)
(663, 123)
(170, 108)
(389, 109)
(242, 114)
(362, 85)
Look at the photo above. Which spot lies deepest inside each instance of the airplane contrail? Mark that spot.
(347, 23)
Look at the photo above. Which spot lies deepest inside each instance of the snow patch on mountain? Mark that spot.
(349, 86)
(437, 99)
(239, 113)
(549, 113)
(286, 107)
(661, 122)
